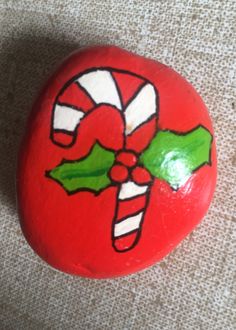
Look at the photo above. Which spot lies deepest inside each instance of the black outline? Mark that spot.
(59, 130)
(110, 69)
(63, 161)
(139, 230)
(75, 132)
(128, 151)
(121, 111)
(155, 115)
(145, 183)
(85, 92)
(130, 215)
(136, 93)
(143, 123)
(130, 198)
(118, 91)
(124, 235)
(209, 162)
(120, 164)
(70, 106)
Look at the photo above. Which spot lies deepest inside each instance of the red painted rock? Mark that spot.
(117, 166)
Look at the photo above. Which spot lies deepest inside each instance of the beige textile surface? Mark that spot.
(194, 287)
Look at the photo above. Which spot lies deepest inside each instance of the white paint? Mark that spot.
(101, 87)
(66, 117)
(127, 225)
(141, 108)
(131, 189)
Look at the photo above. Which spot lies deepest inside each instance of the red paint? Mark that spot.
(139, 139)
(123, 243)
(124, 206)
(140, 175)
(127, 86)
(119, 173)
(73, 232)
(127, 158)
(62, 138)
(74, 95)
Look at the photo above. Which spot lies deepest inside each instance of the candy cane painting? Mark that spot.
(117, 166)
(134, 166)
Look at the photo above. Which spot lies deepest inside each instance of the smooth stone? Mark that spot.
(117, 165)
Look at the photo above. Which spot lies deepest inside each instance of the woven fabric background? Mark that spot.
(193, 288)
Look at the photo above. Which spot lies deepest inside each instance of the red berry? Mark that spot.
(140, 175)
(127, 158)
(86, 232)
(119, 173)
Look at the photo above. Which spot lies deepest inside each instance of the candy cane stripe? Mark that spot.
(141, 108)
(130, 189)
(66, 118)
(101, 86)
(137, 99)
(130, 224)
(74, 95)
(125, 226)
(126, 207)
(138, 111)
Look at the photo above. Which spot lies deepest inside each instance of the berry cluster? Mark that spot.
(126, 167)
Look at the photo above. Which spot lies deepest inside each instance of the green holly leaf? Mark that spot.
(174, 156)
(89, 173)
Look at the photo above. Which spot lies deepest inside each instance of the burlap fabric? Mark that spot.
(195, 287)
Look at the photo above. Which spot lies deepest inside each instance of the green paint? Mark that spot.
(88, 173)
(170, 156)
(173, 157)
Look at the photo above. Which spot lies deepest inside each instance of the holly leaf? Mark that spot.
(174, 156)
(89, 173)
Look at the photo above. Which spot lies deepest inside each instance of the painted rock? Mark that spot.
(117, 166)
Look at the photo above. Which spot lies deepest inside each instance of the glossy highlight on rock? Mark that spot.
(117, 166)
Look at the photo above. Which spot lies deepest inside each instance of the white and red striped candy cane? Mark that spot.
(95, 87)
(80, 96)
(133, 197)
